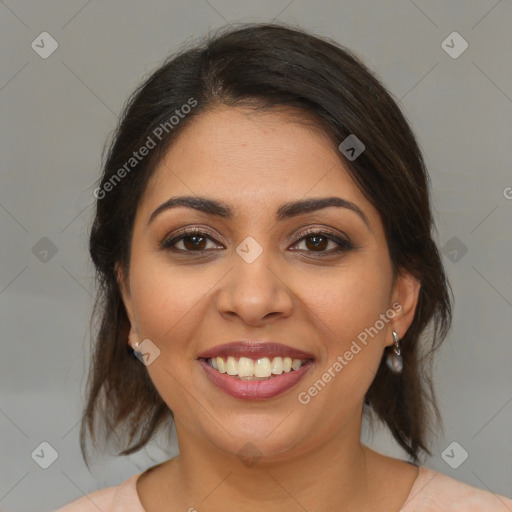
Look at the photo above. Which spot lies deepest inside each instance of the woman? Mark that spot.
(263, 241)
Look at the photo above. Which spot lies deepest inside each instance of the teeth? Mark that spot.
(231, 366)
(262, 368)
(277, 365)
(220, 364)
(296, 364)
(246, 368)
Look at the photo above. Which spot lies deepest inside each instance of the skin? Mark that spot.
(311, 455)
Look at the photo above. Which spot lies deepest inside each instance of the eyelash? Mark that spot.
(343, 245)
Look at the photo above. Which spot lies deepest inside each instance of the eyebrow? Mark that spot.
(286, 211)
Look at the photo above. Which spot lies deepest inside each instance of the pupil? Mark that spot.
(196, 241)
(319, 241)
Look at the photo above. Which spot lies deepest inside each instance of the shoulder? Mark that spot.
(93, 501)
(432, 491)
(111, 499)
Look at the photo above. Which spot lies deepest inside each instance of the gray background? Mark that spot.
(56, 114)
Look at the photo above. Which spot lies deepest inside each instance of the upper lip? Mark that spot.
(255, 350)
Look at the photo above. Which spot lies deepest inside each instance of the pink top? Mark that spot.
(431, 492)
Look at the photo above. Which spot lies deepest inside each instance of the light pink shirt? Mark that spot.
(431, 492)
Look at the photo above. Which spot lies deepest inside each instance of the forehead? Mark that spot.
(251, 159)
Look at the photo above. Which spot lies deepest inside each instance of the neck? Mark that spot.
(332, 474)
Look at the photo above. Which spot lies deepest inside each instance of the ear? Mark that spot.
(124, 287)
(404, 299)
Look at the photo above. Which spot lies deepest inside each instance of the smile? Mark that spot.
(255, 379)
(255, 370)
(263, 368)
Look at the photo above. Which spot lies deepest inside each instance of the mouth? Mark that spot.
(255, 371)
(245, 368)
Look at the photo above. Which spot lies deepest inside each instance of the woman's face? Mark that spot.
(261, 278)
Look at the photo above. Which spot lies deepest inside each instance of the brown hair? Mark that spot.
(267, 66)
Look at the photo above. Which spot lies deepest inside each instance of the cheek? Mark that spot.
(356, 310)
(169, 307)
(353, 350)
(355, 299)
(166, 300)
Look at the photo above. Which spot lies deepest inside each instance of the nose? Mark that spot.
(255, 293)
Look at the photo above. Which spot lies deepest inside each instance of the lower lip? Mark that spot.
(255, 389)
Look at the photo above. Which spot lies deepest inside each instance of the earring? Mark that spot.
(394, 359)
(136, 351)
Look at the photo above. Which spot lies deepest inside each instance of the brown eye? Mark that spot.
(194, 242)
(188, 241)
(318, 241)
(314, 241)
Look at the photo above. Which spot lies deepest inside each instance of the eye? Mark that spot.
(318, 241)
(192, 240)
(315, 241)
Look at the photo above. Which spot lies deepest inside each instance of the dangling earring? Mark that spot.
(394, 359)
